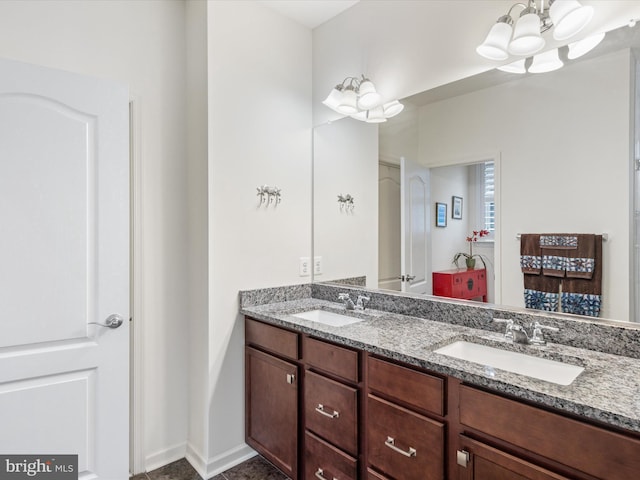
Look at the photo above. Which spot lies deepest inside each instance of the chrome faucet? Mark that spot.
(518, 334)
(348, 303)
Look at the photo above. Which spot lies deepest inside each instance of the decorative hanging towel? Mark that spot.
(554, 253)
(581, 261)
(530, 258)
(583, 296)
(541, 292)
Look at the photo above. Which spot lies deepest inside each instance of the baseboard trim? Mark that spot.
(165, 457)
(221, 462)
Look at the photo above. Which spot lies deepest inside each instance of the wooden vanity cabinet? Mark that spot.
(403, 440)
(578, 449)
(320, 410)
(271, 390)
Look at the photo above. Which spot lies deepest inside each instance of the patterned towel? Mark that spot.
(555, 248)
(530, 258)
(583, 296)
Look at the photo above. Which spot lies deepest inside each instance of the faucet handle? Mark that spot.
(508, 331)
(538, 338)
(361, 303)
(343, 296)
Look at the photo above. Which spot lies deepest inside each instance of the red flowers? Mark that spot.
(477, 234)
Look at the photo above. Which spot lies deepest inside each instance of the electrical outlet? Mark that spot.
(317, 265)
(305, 266)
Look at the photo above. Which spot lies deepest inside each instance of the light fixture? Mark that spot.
(516, 67)
(569, 18)
(566, 17)
(358, 98)
(546, 62)
(584, 46)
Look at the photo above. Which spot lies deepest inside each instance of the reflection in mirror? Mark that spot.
(561, 144)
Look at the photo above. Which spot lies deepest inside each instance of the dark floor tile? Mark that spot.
(219, 477)
(256, 468)
(180, 470)
(140, 476)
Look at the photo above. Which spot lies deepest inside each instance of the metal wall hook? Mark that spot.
(346, 202)
(269, 195)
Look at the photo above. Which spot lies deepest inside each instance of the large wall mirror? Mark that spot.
(533, 153)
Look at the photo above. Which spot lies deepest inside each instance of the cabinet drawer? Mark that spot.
(273, 339)
(323, 460)
(331, 359)
(371, 475)
(399, 440)
(593, 450)
(414, 388)
(331, 411)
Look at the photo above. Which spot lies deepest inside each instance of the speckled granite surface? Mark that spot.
(409, 329)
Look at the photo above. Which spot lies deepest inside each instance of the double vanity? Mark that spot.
(404, 387)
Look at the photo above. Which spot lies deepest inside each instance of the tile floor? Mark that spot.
(256, 468)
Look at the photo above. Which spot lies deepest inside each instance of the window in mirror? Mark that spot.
(486, 211)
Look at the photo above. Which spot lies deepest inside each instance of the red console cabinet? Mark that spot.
(461, 283)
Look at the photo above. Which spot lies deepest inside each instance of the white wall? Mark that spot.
(346, 162)
(198, 254)
(564, 143)
(140, 43)
(447, 241)
(259, 133)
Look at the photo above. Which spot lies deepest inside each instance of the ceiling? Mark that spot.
(309, 13)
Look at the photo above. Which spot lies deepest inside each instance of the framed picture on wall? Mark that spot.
(441, 214)
(456, 208)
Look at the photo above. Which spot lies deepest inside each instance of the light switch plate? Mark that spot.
(305, 266)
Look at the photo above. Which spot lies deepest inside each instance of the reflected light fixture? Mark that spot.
(523, 37)
(358, 98)
(546, 62)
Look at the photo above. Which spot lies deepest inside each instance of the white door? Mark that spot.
(64, 264)
(415, 227)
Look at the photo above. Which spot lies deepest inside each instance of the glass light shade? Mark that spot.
(515, 67)
(349, 102)
(393, 108)
(376, 115)
(368, 97)
(334, 99)
(546, 62)
(362, 116)
(526, 36)
(569, 17)
(581, 47)
(496, 44)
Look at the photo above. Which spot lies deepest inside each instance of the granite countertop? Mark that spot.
(608, 390)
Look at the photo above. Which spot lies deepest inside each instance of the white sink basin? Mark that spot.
(540, 368)
(327, 318)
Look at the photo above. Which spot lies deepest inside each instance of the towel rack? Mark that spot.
(605, 236)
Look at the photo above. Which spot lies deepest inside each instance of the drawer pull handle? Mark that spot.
(320, 410)
(391, 443)
(320, 475)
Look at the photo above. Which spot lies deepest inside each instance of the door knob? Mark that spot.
(113, 321)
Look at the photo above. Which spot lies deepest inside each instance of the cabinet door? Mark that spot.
(403, 444)
(488, 463)
(272, 409)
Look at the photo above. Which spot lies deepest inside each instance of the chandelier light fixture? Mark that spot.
(523, 36)
(358, 98)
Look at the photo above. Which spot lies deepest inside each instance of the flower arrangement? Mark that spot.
(470, 258)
